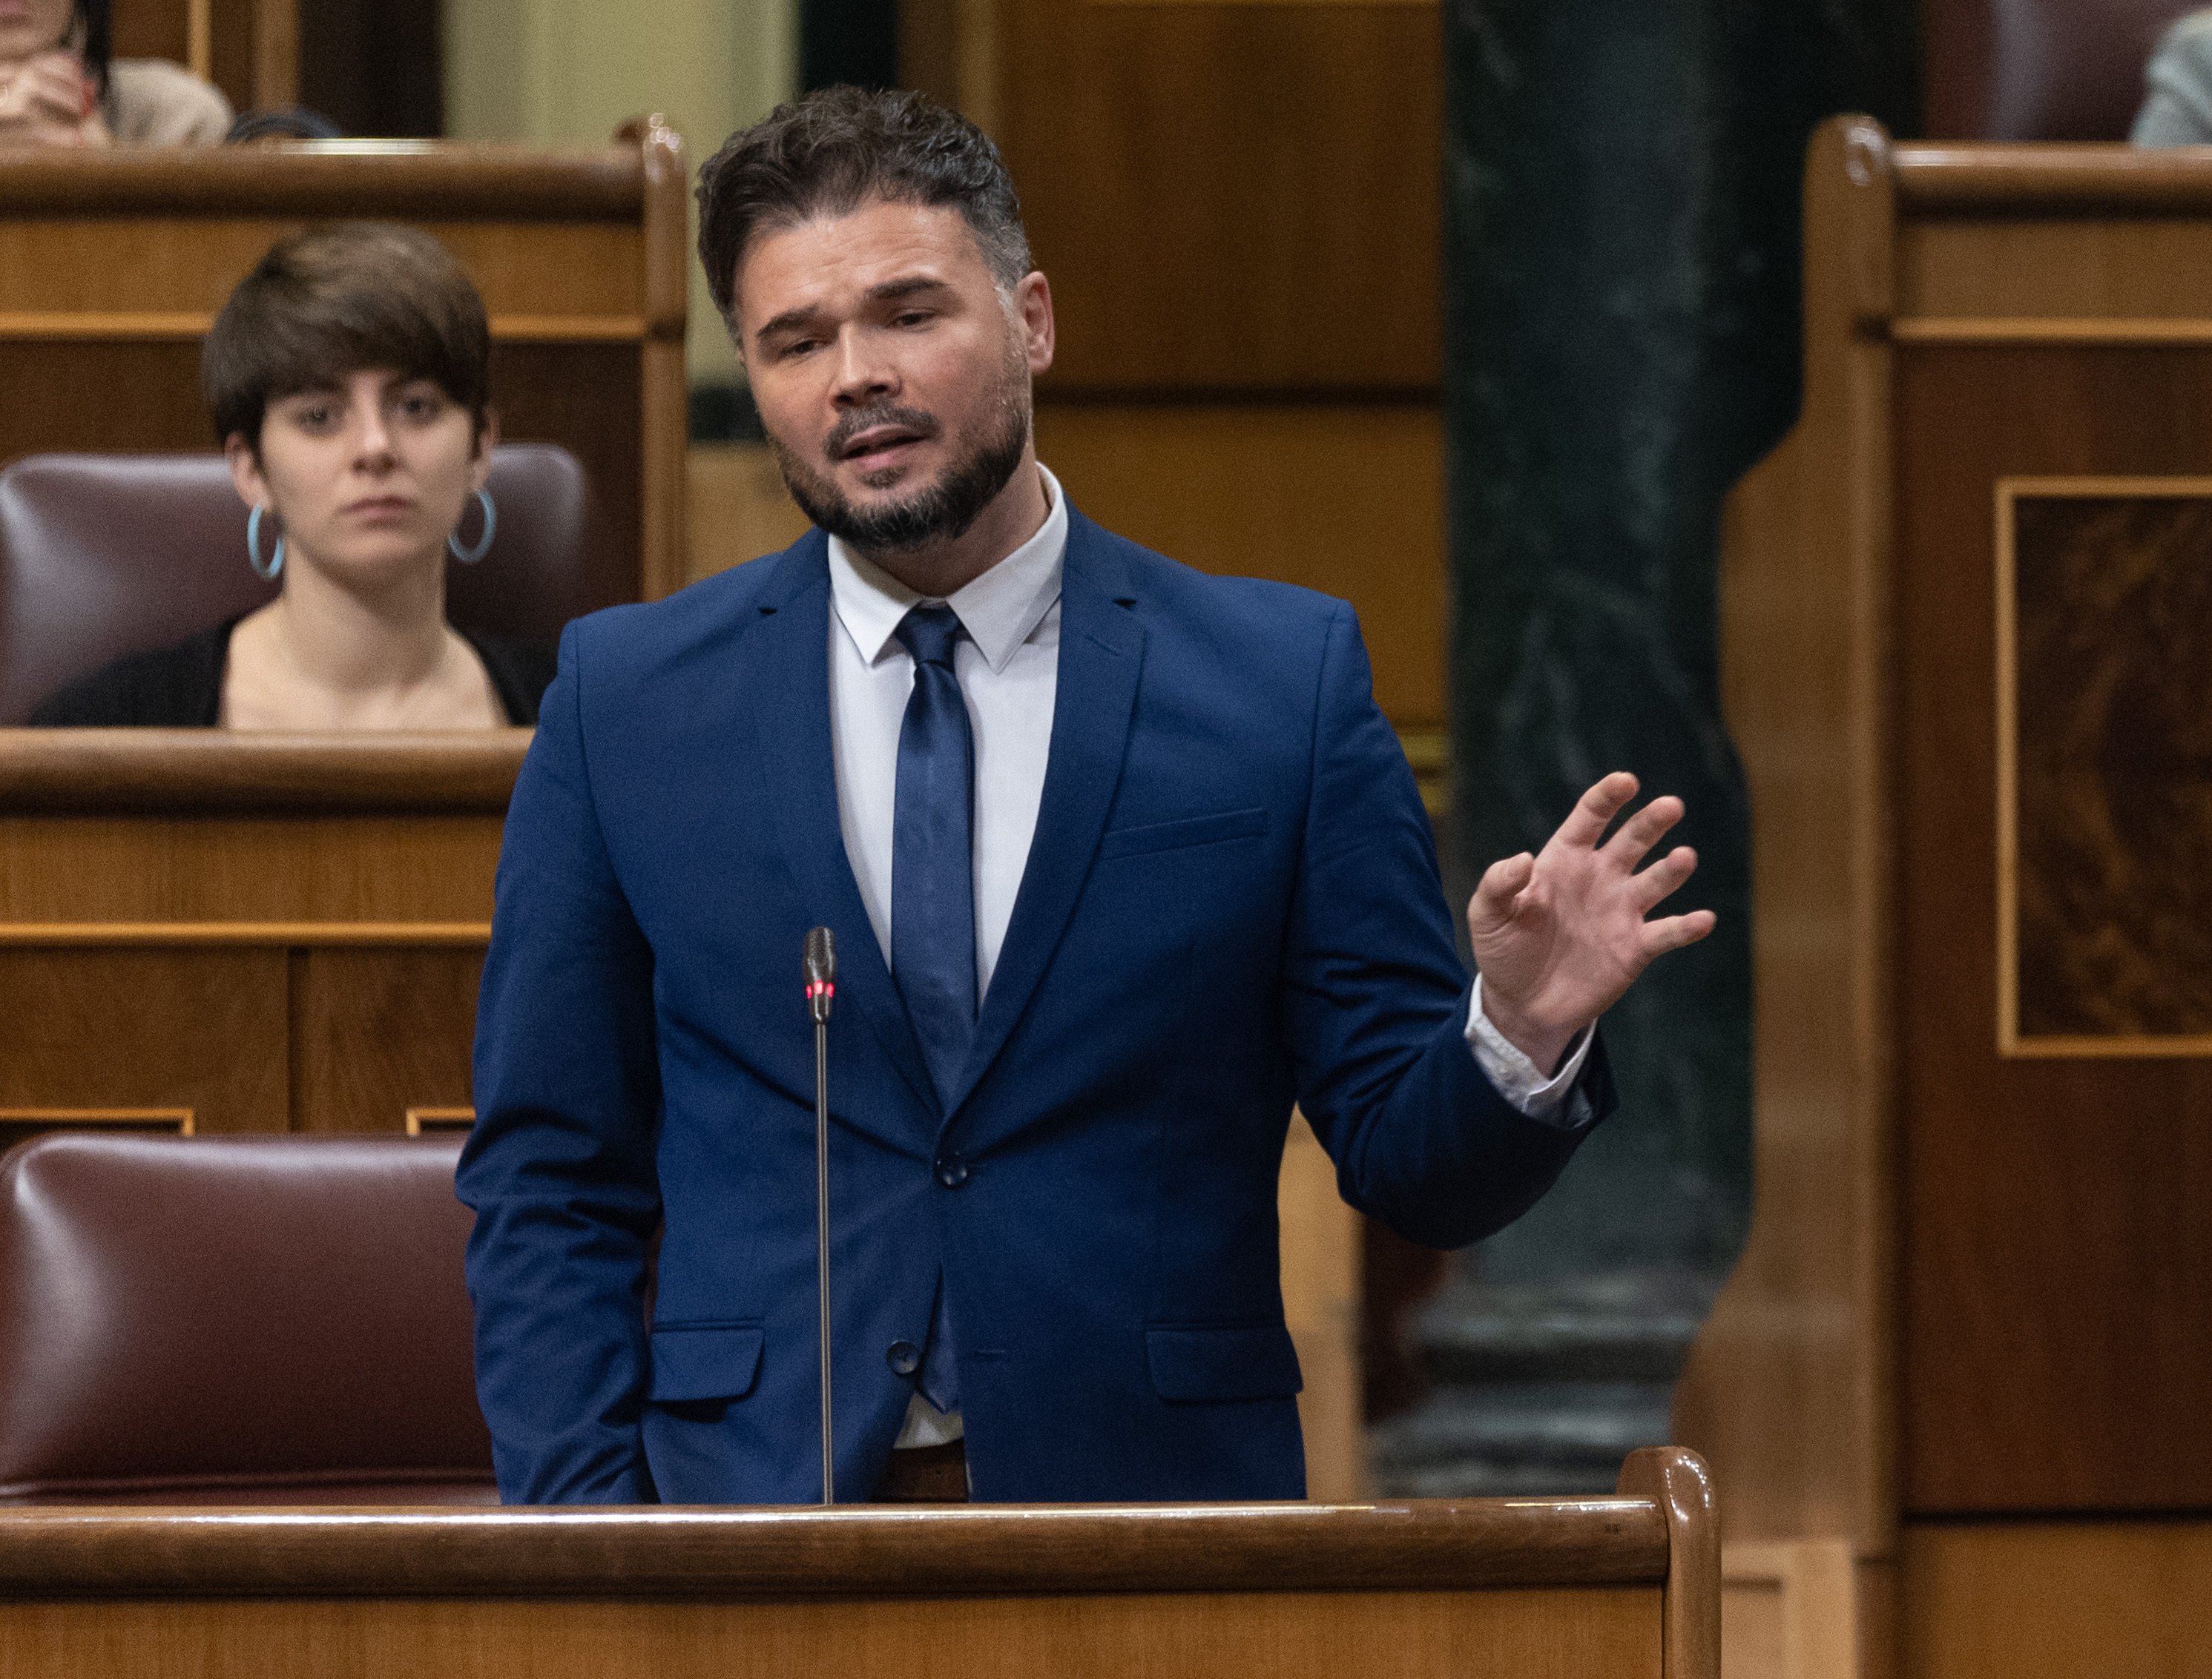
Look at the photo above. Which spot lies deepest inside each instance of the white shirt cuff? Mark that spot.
(1557, 1100)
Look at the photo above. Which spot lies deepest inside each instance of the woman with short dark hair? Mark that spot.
(348, 377)
(60, 84)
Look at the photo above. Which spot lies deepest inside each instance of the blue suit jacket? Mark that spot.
(1231, 903)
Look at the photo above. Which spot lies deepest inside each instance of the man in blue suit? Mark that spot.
(1122, 861)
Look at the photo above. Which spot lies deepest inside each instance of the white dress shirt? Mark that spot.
(1008, 665)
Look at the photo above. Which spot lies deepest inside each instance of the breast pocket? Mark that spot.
(1182, 835)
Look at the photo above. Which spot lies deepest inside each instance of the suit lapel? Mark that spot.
(1101, 653)
(792, 702)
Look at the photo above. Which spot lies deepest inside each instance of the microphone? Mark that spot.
(821, 987)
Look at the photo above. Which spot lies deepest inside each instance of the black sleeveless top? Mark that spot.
(181, 687)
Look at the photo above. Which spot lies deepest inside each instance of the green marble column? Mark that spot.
(1621, 237)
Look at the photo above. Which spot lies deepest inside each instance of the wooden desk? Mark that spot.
(214, 932)
(1623, 1587)
(1960, 667)
(112, 265)
(204, 931)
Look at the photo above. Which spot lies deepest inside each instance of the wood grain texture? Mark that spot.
(179, 771)
(1678, 1482)
(408, 180)
(1227, 199)
(1788, 1391)
(1321, 1282)
(201, 1030)
(378, 1033)
(370, 868)
(221, 40)
(1272, 1635)
(1344, 498)
(2058, 1304)
(2052, 1600)
(670, 1553)
(2073, 180)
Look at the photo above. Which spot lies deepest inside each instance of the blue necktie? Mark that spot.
(933, 894)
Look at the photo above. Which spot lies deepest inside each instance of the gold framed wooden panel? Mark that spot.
(431, 1121)
(2048, 918)
(20, 1124)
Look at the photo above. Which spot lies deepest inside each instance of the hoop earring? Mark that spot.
(469, 556)
(275, 569)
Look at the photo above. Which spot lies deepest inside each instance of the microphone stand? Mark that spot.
(821, 987)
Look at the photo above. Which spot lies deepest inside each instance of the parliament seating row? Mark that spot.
(1954, 1393)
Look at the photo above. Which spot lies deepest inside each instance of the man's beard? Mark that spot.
(940, 512)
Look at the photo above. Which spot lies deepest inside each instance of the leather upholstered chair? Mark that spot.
(236, 1319)
(102, 555)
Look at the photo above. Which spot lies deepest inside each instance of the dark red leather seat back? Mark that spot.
(2040, 69)
(102, 555)
(236, 1319)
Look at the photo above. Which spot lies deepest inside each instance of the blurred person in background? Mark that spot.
(60, 84)
(350, 380)
(2176, 110)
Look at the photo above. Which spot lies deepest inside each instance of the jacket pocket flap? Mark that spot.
(1191, 831)
(1242, 1362)
(707, 1362)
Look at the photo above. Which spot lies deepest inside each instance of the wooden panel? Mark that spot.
(1530, 1635)
(1227, 198)
(668, 1555)
(78, 265)
(1348, 499)
(2059, 1302)
(376, 1032)
(1788, 1387)
(1789, 1610)
(107, 869)
(737, 508)
(235, 29)
(198, 1030)
(2032, 1600)
(1320, 1242)
(585, 397)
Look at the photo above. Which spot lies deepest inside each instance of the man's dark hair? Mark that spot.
(831, 151)
(339, 300)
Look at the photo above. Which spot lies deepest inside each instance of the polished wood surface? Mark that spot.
(1978, 1281)
(273, 933)
(2058, 1309)
(1530, 1634)
(1232, 199)
(112, 265)
(2122, 1600)
(667, 1552)
(1321, 1282)
(1626, 1586)
(179, 771)
(1787, 1388)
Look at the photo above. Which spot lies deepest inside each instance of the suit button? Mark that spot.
(905, 1357)
(952, 1171)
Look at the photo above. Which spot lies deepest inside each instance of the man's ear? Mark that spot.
(487, 440)
(1033, 309)
(245, 470)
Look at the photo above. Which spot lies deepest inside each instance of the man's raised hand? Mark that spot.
(1560, 935)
